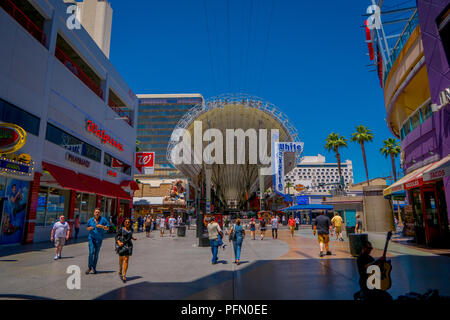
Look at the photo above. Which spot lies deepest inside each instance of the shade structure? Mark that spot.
(412, 180)
(116, 190)
(233, 179)
(67, 179)
(97, 185)
(440, 169)
(308, 207)
(130, 183)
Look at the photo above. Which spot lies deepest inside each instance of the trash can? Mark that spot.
(355, 241)
(181, 232)
(203, 241)
(349, 230)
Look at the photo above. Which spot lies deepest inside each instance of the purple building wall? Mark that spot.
(437, 65)
(431, 140)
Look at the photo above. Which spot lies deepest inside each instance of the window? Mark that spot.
(84, 206)
(415, 120)
(427, 112)
(12, 114)
(71, 143)
(52, 203)
(116, 164)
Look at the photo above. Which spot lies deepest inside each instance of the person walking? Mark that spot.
(214, 232)
(292, 225)
(252, 228)
(262, 227)
(172, 222)
(323, 226)
(96, 226)
(124, 247)
(162, 226)
(148, 226)
(274, 227)
(237, 235)
(358, 224)
(76, 226)
(60, 233)
(337, 223)
(179, 220)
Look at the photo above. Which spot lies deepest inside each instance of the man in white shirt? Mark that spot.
(213, 233)
(60, 233)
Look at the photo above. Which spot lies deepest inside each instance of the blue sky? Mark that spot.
(307, 57)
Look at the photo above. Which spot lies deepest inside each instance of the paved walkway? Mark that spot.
(176, 268)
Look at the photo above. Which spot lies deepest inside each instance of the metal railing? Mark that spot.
(119, 110)
(401, 41)
(23, 20)
(76, 70)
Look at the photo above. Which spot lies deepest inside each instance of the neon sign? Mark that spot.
(92, 127)
(12, 137)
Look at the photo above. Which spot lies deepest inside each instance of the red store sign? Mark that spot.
(77, 160)
(414, 184)
(144, 160)
(92, 127)
(112, 173)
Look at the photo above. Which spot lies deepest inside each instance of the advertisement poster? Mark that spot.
(14, 209)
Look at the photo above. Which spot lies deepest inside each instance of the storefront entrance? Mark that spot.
(430, 211)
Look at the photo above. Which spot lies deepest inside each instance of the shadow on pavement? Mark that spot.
(9, 250)
(22, 297)
(302, 279)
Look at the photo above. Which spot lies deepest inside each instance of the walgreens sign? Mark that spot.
(92, 127)
(146, 161)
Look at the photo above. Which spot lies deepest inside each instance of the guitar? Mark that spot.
(385, 267)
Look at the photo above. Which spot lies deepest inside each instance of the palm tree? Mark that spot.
(288, 186)
(391, 148)
(137, 146)
(333, 142)
(362, 135)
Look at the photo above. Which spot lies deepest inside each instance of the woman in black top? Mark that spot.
(262, 226)
(124, 247)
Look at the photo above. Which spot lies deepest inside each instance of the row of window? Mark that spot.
(149, 132)
(416, 120)
(154, 139)
(164, 107)
(156, 126)
(12, 114)
(75, 145)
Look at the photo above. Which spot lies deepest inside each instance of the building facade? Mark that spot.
(79, 118)
(318, 176)
(157, 118)
(416, 85)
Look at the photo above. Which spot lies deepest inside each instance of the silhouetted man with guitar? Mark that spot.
(376, 290)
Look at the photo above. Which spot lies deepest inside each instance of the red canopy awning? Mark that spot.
(130, 183)
(68, 179)
(116, 190)
(96, 185)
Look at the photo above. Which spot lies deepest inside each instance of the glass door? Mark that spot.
(419, 224)
(431, 216)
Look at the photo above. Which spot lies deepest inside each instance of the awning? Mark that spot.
(130, 183)
(412, 180)
(116, 190)
(308, 207)
(438, 170)
(68, 179)
(148, 200)
(96, 185)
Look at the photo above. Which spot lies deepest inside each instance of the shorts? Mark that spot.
(60, 242)
(338, 229)
(323, 238)
(292, 228)
(147, 229)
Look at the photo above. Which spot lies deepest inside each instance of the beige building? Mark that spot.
(96, 17)
(369, 203)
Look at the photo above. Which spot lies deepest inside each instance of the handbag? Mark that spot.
(233, 234)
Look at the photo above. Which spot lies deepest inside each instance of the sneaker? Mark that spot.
(321, 254)
(59, 257)
(94, 271)
(328, 253)
(55, 258)
(88, 271)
